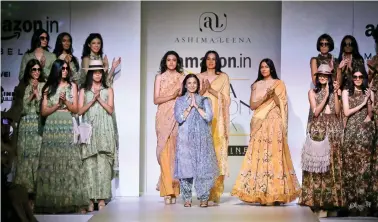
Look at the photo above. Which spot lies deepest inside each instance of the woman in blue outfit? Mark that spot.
(195, 156)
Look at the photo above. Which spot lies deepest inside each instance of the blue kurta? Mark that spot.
(195, 154)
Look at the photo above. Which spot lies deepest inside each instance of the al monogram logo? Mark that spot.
(210, 20)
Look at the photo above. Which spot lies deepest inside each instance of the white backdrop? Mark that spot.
(119, 25)
(250, 32)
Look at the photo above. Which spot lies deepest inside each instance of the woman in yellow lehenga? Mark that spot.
(216, 86)
(166, 91)
(267, 175)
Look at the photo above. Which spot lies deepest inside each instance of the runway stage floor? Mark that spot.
(231, 209)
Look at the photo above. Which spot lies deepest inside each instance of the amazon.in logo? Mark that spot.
(213, 22)
(12, 29)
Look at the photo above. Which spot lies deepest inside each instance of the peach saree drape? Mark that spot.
(166, 132)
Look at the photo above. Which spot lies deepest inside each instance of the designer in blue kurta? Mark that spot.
(195, 155)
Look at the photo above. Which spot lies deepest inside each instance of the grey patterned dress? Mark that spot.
(195, 155)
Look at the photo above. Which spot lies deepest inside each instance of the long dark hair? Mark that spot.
(365, 81)
(87, 86)
(58, 50)
(87, 49)
(27, 72)
(318, 85)
(272, 68)
(218, 63)
(36, 42)
(184, 89)
(163, 62)
(55, 77)
(355, 53)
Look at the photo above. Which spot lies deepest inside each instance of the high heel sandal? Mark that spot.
(204, 203)
(167, 200)
(188, 204)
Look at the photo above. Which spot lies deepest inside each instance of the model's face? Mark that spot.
(95, 45)
(211, 61)
(191, 84)
(357, 78)
(324, 46)
(64, 71)
(323, 79)
(44, 40)
(264, 69)
(66, 42)
(348, 46)
(171, 62)
(35, 71)
(97, 76)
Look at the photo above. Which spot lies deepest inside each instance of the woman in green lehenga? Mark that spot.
(29, 141)
(60, 184)
(96, 105)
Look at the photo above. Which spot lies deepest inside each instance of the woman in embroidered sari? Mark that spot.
(321, 155)
(215, 85)
(267, 174)
(166, 90)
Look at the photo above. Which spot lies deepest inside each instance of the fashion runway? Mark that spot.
(152, 209)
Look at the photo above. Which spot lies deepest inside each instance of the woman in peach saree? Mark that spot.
(216, 86)
(166, 91)
(267, 174)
